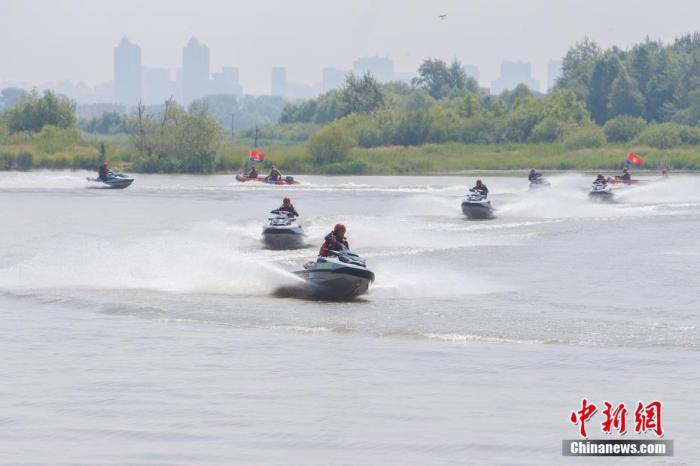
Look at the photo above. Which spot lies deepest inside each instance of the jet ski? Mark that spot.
(282, 232)
(285, 180)
(341, 275)
(601, 191)
(539, 182)
(476, 207)
(113, 181)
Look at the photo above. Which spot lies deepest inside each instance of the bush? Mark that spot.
(331, 144)
(34, 112)
(295, 164)
(24, 161)
(547, 130)
(7, 161)
(478, 130)
(585, 137)
(624, 128)
(663, 136)
(690, 135)
(355, 167)
(52, 139)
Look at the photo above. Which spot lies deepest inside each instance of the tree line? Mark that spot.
(657, 82)
(649, 94)
(173, 140)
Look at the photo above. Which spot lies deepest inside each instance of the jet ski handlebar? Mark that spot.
(345, 255)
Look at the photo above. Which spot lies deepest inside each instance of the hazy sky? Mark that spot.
(51, 40)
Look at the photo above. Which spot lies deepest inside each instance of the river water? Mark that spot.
(146, 326)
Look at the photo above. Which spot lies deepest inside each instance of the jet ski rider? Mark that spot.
(274, 174)
(480, 188)
(626, 175)
(335, 241)
(103, 172)
(288, 207)
(533, 176)
(600, 179)
(253, 172)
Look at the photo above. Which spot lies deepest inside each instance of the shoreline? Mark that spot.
(514, 173)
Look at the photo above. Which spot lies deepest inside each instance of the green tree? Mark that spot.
(585, 137)
(577, 67)
(468, 106)
(624, 128)
(662, 136)
(176, 140)
(33, 112)
(625, 97)
(548, 130)
(605, 71)
(664, 84)
(439, 79)
(361, 94)
(331, 144)
(691, 114)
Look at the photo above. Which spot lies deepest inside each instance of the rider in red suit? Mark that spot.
(335, 241)
(287, 206)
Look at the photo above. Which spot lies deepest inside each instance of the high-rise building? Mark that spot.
(553, 73)
(512, 74)
(195, 70)
(382, 68)
(332, 78)
(279, 81)
(157, 85)
(471, 71)
(127, 73)
(226, 82)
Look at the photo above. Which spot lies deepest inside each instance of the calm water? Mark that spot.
(144, 326)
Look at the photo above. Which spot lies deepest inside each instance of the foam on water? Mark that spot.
(209, 258)
(44, 179)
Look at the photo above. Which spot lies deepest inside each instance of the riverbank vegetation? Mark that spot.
(607, 102)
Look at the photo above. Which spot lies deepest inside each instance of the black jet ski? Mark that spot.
(601, 191)
(282, 232)
(113, 181)
(341, 275)
(539, 182)
(476, 207)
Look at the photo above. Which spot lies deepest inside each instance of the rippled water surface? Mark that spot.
(146, 326)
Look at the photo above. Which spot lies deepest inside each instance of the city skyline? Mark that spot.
(134, 81)
(307, 36)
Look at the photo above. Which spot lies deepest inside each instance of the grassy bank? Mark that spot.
(455, 157)
(418, 160)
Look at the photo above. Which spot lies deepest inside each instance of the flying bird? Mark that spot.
(443, 16)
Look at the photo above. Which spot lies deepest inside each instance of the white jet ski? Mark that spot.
(476, 207)
(601, 192)
(282, 232)
(341, 275)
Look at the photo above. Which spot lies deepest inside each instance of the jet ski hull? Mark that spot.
(119, 183)
(336, 283)
(112, 183)
(283, 238)
(477, 210)
(603, 196)
(286, 180)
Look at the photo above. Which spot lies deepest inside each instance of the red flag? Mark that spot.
(256, 156)
(634, 159)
